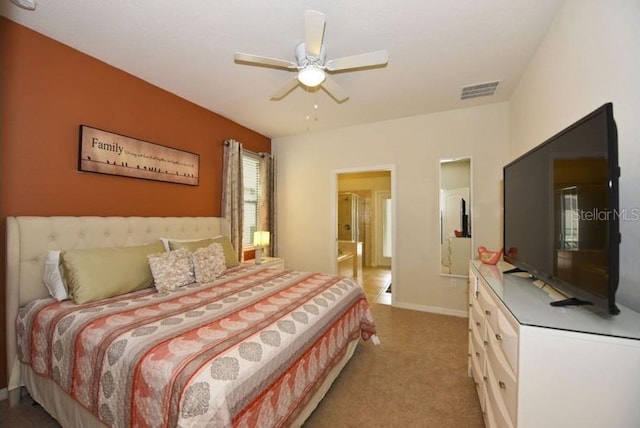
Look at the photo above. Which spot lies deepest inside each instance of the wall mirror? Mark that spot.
(455, 216)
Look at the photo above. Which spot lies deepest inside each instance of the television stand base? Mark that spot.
(514, 270)
(572, 301)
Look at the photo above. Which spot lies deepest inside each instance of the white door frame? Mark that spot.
(333, 204)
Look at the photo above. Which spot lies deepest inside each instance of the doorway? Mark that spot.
(364, 227)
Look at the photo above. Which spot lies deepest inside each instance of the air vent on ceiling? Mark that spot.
(479, 90)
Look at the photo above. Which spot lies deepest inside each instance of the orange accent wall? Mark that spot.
(47, 90)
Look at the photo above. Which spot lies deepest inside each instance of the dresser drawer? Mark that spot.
(487, 304)
(471, 315)
(472, 284)
(508, 338)
(478, 351)
(501, 376)
(472, 287)
(477, 372)
(489, 417)
(502, 323)
(495, 403)
(477, 321)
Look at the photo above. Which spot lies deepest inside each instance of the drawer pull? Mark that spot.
(486, 343)
(488, 312)
(477, 354)
(470, 330)
(498, 336)
(484, 378)
(477, 323)
(502, 385)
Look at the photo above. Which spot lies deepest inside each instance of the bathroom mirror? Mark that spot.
(455, 216)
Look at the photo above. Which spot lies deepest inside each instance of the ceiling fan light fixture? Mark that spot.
(311, 63)
(25, 4)
(311, 76)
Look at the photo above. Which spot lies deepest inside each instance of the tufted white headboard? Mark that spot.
(30, 238)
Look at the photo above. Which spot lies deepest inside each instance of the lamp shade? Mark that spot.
(311, 76)
(261, 238)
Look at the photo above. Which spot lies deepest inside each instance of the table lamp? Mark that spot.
(260, 240)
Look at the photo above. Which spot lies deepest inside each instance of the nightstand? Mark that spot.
(270, 262)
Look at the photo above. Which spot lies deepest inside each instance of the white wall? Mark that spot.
(590, 56)
(414, 146)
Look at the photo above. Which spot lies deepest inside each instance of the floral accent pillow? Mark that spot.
(208, 262)
(171, 270)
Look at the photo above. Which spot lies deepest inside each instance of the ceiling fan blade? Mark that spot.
(263, 60)
(334, 90)
(313, 32)
(357, 61)
(284, 91)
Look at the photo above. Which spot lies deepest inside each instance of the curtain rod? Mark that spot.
(261, 154)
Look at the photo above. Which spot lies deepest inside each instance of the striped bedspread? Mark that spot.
(246, 350)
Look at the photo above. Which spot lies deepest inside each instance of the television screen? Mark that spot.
(561, 211)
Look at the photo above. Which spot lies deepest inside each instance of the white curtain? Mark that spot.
(233, 191)
(267, 208)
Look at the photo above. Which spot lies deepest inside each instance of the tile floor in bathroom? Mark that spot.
(375, 281)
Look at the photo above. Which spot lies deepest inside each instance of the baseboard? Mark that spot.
(3, 394)
(432, 309)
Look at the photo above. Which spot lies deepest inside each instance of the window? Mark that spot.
(569, 219)
(251, 183)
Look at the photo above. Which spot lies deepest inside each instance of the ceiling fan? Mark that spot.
(311, 61)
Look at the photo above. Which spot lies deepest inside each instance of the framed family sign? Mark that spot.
(105, 152)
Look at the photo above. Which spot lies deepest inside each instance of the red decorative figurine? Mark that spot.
(489, 257)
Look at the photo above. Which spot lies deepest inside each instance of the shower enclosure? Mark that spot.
(349, 243)
(348, 217)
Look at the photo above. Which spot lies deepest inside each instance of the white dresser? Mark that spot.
(537, 366)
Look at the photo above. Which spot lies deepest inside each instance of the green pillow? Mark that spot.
(230, 255)
(98, 273)
(190, 245)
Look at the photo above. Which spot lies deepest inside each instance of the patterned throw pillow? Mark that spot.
(208, 262)
(230, 254)
(171, 270)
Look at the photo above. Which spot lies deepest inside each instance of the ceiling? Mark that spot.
(186, 47)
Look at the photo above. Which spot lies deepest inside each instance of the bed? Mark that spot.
(254, 347)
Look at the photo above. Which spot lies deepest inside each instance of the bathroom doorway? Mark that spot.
(364, 229)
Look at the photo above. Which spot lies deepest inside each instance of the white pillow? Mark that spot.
(53, 277)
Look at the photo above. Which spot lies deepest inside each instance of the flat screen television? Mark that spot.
(561, 211)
